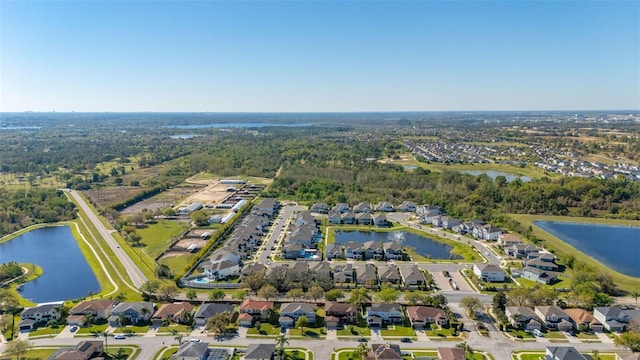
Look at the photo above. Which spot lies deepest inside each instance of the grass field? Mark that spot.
(266, 329)
(397, 330)
(177, 263)
(46, 331)
(157, 237)
(354, 331)
(624, 282)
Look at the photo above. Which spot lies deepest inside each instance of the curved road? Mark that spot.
(137, 277)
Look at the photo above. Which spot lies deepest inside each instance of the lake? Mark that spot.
(231, 125)
(66, 273)
(618, 247)
(423, 246)
(184, 136)
(493, 174)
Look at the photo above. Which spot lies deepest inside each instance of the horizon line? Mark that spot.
(309, 112)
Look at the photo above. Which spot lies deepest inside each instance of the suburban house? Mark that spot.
(406, 206)
(564, 353)
(208, 310)
(422, 316)
(353, 250)
(380, 220)
(384, 206)
(267, 207)
(373, 250)
(335, 217)
(615, 318)
(488, 272)
(412, 276)
(384, 352)
(221, 270)
(260, 352)
(333, 251)
(177, 312)
(349, 218)
(290, 312)
(98, 309)
(472, 225)
(537, 275)
(320, 208)
(83, 351)
(364, 218)
(554, 318)
(489, 232)
(252, 267)
(447, 222)
(343, 273)
(381, 314)
(428, 210)
(132, 312)
(245, 320)
(292, 251)
(192, 351)
(363, 207)
(342, 314)
(341, 208)
(366, 275)
(388, 274)
(583, 320)
(257, 309)
(523, 317)
(445, 353)
(541, 264)
(521, 251)
(39, 314)
(393, 250)
(509, 240)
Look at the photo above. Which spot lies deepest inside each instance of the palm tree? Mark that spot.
(122, 320)
(281, 341)
(270, 313)
(361, 351)
(636, 295)
(178, 338)
(90, 294)
(106, 335)
(145, 311)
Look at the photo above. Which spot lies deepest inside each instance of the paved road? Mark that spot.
(277, 230)
(137, 277)
(498, 345)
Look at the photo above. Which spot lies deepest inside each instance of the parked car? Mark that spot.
(362, 340)
(537, 333)
(194, 340)
(405, 340)
(73, 328)
(120, 337)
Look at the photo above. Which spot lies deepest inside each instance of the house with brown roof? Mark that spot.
(384, 352)
(446, 353)
(257, 309)
(83, 351)
(340, 313)
(583, 320)
(98, 309)
(177, 312)
(422, 316)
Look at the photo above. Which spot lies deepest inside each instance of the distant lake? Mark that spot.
(184, 136)
(493, 174)
(410, 167)
(230, 125)
(423, 246)
(66, 273)
(618, 247)
(20, 127)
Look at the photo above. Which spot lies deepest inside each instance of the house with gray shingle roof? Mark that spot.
(412, 276)
(554, 318)
(260, 352)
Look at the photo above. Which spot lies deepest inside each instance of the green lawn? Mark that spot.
(166, 355)
(95, 328)
(266, 329)
(134, 329)
(354, 331)
(46, 331)
(584, 335)
(174, 327)
(309, 332)
(554, 335)
(157, 237)
(177, 264)
(36, 354)
(520, 334)
(561, 284)
(397, 330)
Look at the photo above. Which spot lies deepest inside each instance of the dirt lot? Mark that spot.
(164, 199)
(213, 193)
(106, 197)
(184, 244)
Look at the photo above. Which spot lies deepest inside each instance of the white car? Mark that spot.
(195, 340)
(120, 337)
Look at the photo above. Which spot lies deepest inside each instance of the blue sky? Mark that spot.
(318, 56)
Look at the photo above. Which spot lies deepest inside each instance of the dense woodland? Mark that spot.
(21, 208)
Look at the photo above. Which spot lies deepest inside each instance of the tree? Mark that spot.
(281, 341)
(217, 324)
(635, 294)
(301, 323)
(163, 271)
(315, 292)
(17, 348)
(414, 298)
(239, 295)
(216, 294)
(359, 297)
(149, 288)
(472, 305)
(630, 340)
(295, 294)
(499, 302)
(254, 281)
(168, 291)
(268, 291)
(334, 295)
(388, 295)
(191, 294)
(178, 338)
(200, 217)
(361, 351)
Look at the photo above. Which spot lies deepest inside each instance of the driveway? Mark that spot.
(461, 282)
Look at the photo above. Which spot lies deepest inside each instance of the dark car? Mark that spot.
(362, 340)
(405, 340)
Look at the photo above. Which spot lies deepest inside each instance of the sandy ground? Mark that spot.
(213, 194)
